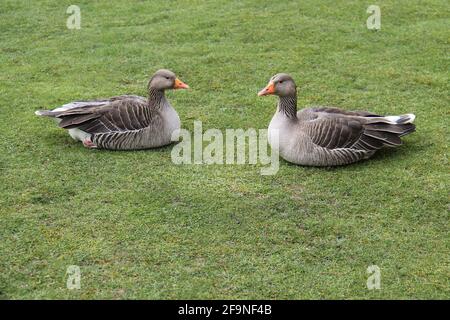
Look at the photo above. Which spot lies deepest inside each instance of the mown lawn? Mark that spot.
(141, 227)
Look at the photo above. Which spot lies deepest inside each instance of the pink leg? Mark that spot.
(89, 144)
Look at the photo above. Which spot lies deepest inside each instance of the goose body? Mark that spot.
(328, 136)
(125, 122)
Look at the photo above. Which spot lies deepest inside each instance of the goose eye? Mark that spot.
(280, 81)
(167, 78)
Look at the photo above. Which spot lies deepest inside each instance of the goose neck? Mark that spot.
(288, 105)
(156, 98)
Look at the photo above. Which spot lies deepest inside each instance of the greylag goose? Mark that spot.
(328, 136)
(125, 122)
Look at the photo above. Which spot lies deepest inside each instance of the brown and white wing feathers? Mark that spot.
(332, 131)
(333, 128)
(120, 113)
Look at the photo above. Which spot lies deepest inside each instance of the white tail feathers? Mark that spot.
(411, 117)
(68, 106)
(403, 119)
(44, 113)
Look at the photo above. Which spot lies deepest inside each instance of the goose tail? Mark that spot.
(387, 131)
(403, 119)
(44, 113)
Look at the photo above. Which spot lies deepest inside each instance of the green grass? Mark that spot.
(141, 227)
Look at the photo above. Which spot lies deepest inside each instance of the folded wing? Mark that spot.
(122, 113)
(333, 128)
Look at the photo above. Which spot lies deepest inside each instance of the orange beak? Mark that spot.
(269, 89)
(180, 84)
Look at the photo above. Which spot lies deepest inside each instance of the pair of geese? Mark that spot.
(320, 136)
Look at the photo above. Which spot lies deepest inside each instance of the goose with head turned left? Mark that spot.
(124, 122)
(328, 136)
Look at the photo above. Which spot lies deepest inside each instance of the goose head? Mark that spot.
(281, 85)
(164, 79)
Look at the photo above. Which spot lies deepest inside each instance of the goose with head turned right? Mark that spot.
(328, 136)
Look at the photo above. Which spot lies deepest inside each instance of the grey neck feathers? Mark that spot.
(156, 98)
(288, 105)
